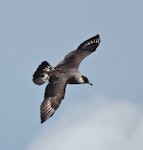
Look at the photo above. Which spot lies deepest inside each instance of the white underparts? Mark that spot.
(80, 79)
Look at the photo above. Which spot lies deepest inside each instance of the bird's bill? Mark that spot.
(90, 83)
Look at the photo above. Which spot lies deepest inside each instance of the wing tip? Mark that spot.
(98, 37)
(42, 121)
(90, 44)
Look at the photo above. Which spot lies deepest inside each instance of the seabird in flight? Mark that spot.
(66, 72)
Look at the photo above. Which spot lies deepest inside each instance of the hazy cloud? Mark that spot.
(104, 125)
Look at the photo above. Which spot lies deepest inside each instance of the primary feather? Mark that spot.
(66, 72)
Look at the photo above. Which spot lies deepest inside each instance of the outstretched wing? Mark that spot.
(41, 75)
(74, 58)
(54, 94)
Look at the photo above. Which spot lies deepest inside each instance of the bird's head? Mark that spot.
(85, 80)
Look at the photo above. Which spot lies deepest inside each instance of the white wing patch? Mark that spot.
(93, 41)
(46, 109)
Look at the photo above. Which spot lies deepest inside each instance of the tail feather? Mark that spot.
(41, 75)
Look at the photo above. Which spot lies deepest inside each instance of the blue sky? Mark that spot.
(111, 110)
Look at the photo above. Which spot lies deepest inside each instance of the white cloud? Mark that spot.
(104, 125)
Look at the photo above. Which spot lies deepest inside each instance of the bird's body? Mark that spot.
(66, 72)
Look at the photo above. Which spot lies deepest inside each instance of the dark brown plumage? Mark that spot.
(66, 72)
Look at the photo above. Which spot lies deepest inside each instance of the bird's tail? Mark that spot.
(42, 75)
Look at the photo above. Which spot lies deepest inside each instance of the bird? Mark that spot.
(66, 72)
